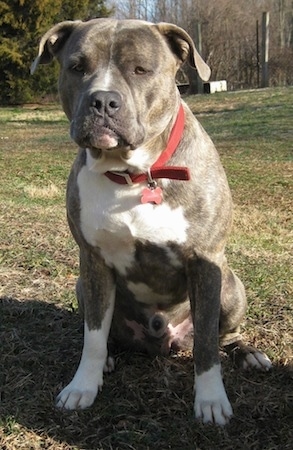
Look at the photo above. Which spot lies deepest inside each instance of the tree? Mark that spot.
(22, 22)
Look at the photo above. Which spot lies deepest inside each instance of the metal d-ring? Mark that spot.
(152, 184)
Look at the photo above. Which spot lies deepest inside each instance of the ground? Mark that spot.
(146, 403)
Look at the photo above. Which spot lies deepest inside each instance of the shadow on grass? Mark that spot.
(145, 404)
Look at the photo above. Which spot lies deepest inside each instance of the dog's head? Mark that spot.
(117, 79)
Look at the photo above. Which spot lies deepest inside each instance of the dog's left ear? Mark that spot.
(183, 47)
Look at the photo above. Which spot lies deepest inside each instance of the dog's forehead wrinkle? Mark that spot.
(136, 35)
(112, 36)
(86, 41)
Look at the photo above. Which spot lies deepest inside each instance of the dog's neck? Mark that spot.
(158, 168)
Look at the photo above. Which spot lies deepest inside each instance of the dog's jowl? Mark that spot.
(149, 206)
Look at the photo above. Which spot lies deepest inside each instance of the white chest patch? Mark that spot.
(113, 218)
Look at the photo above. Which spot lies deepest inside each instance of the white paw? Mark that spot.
(73, 397)
(257, 360)
(217, 411)
(211, 401)
(109, 365)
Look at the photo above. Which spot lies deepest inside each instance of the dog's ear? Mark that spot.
(52, 42)
(183, 47)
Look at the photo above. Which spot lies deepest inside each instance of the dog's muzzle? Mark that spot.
(101, 121)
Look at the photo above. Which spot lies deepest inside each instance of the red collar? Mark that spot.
(158, 169)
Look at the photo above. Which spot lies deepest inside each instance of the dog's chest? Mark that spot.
(113, 219)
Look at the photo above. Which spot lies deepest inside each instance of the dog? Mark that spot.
(149, 205)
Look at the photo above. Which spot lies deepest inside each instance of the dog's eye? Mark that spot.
(79, 68)
(140, 71)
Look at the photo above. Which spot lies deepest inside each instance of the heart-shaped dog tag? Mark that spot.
(152, 195)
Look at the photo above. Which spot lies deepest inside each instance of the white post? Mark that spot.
(265, 49)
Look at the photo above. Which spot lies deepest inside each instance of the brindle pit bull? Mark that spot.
(149, 206)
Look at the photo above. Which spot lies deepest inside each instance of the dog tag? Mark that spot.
(152, 195)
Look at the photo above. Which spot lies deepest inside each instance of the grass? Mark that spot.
(145, 403)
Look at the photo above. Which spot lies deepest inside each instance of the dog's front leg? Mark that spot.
(96, 289)
(211, 402)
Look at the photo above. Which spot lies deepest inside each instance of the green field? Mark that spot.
(145, 403)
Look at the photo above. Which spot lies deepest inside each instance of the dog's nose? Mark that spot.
(106, 102)
(157, 325)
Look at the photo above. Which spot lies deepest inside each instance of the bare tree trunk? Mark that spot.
(281, 23)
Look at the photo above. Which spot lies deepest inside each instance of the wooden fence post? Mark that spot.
(195, 83)
(265, 49)
(199, 49)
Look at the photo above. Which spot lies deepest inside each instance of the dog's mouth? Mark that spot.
(105, 138)
(96, 136)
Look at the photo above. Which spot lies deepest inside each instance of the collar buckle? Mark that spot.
(126, 176)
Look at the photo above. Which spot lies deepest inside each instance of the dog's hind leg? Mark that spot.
(233, 307)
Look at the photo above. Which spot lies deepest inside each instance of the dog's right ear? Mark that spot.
(52, 42)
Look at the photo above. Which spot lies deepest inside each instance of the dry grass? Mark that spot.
(145, 403)
(49, 191)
